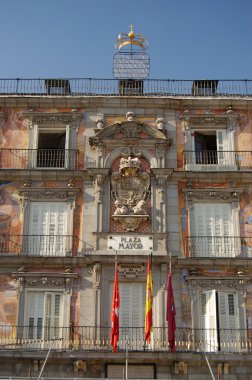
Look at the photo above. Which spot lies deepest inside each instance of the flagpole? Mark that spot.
(126, 362)
(210, 369)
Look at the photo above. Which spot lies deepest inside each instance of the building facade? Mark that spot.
(92, 170)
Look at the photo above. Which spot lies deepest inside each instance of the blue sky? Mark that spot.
(188, 39)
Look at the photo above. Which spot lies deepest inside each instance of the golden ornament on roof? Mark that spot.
(131, 39)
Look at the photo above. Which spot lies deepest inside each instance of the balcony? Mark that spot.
(218, 246)
(38, 245)
(97, 339)
(212, 160)
(38, 159)
(112, 87)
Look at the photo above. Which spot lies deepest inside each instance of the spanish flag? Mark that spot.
(148, 304)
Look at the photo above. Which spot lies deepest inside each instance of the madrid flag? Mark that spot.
(170, 314)
(148, 304)
(115, 312)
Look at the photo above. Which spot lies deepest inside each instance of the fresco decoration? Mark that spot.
(10, 209)
(8, 302)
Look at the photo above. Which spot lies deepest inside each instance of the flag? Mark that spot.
(170, 315)
(115, 312)
(148, 304)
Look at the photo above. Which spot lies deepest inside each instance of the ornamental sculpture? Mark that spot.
(130, 193)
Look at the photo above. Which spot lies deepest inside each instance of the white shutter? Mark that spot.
(213, 230)
(67, 147)
(222, 147)
(208, 326)
(131, 313)
(44, 315)
(228, 321)
(49, 223)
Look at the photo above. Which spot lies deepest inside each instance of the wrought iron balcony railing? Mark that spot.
(38, 245)
(88, 338)
(218, 246)
(212, 160)
(114, 87)
(38, 158)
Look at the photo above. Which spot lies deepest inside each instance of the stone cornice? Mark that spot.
(212, 194)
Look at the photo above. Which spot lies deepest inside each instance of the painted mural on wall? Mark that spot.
(8, 303)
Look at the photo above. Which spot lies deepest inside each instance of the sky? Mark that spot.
(188, 39)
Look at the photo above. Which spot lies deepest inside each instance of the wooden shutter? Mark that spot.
(44, 314)
(213, 229)
(49, 223)
(208, 325)
(228, 321)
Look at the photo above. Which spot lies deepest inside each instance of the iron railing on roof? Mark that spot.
(38, 158)
(125, 87)
(38, 245)
(97, 339)
(213, 160)
(218, 246)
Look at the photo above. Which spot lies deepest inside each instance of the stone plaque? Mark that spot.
(130, 242)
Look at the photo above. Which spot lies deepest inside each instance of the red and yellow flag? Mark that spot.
(115, 312)
(148, 304)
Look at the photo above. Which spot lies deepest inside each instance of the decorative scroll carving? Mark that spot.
(213, 283)
(212, 194)
(68, 194)
(130, 191)
(54, 119)
(98, 184)
(131, 129)
(100, 122)
(160, 123)
(130, 116)
(217, 121)
(95, 271)
(44, 280)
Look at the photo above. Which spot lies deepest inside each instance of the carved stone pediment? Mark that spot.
(31, 194)
(212, 194)
(130, 192)
(209, 120)
(130, 130)
(216, 282)
(54, 119)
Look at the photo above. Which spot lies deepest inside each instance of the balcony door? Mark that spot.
(48, 229)
(212, 231)
(51, 148)
(132, 309)
(219, 327)
(44, 319)
(210, 149)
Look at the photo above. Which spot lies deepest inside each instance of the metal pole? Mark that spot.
(42, 369)
(210, 369)
(126, 362)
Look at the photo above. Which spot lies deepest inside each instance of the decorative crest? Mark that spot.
(131, 39)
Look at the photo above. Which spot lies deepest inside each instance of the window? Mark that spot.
(219, 322)
(52, 148)
(212, 230)
(44, 318)
(209, 142)
(132, 314)
(48, 226)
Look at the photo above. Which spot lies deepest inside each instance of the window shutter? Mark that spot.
(208, 332)
(228, 321)
(222, 146)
